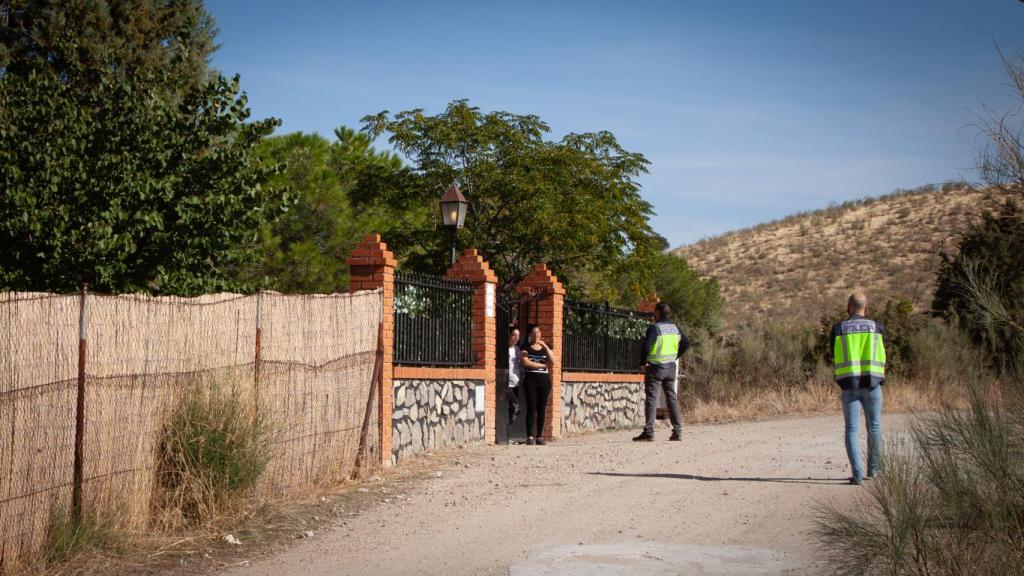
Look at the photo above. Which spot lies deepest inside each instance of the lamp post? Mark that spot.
(453, 212)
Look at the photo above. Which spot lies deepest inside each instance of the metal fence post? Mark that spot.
(76, 492)
(607, 336)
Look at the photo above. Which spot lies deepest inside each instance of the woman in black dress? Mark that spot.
(536, 359)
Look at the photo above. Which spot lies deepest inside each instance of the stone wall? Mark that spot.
(590, 406)
(434, 414)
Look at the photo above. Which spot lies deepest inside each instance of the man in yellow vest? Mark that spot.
(665, 343)
(858, 357)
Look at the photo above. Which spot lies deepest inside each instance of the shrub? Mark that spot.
(215, 447)
(67, 539)
(989, 266)
(949, 504)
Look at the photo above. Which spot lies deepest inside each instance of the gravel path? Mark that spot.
(729, 499)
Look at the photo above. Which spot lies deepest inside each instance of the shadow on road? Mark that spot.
(826, 481)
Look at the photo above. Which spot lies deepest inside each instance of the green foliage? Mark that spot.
(67, 539)
(84, 41)
(134, 172)
(573, 204)
(696, 302)
(951, 503)
(304, 250)
(988, 272)
(623, 326)
(214, 448)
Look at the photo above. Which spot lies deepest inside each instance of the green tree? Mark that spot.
(574, 204)
(305, 250)
(696, 302)
(130, 171)
(85, 41)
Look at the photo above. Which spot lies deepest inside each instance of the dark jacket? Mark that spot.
(652, 337)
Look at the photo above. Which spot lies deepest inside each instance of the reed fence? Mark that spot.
(307, 362)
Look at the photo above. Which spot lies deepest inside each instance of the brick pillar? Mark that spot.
(540, 280)
(372, 266)
(473, 268)
(647, 304)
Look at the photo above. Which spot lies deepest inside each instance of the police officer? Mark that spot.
(664, 344)
(858, 357)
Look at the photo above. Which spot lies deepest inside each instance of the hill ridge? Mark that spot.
(801, 266)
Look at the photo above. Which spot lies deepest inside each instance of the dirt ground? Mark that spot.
(730, 499)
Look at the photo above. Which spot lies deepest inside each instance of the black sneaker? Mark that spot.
(530, 441)
(541, 442)
(675, 437)
(856, 481)
(644, 437)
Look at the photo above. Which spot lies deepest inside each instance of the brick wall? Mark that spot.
(541, 281)
(372, 266)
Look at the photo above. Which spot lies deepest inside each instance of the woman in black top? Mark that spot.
(536, 358)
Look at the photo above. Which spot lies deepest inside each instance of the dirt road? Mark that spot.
(729, 499)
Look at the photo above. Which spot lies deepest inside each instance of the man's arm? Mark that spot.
(652, 337)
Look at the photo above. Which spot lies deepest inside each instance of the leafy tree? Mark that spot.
(130, 171)
(305, 249)
(85, 41)
(696, 302)
(573, 204)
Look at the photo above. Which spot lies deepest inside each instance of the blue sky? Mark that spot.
(748, 111)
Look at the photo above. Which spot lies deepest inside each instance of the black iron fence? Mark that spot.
(599, 338)
(433, 321)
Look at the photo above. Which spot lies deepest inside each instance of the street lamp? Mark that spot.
(453, 212)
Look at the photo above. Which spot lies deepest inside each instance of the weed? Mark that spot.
(214, 449)
(67, 539)
(950, 503)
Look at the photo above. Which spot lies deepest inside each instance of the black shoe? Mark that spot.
(644, 438)
(856, 481)
(541, 442)
(675, 437)
(530, 441)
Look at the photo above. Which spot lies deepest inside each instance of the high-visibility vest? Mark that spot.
(666, 345)
(859, 352)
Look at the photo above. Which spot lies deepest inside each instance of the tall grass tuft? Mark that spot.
(67, 539)
(952, 502)
(215, 447)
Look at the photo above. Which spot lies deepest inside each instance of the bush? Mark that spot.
(952, 503)
(991, 254)
(67, 539)
(215, 447)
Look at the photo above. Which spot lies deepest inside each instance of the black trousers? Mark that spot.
(538, 391)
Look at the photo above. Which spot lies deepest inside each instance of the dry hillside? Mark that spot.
(804, 265)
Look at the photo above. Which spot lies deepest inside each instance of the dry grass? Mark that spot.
(214, 449)
(948, 500)
(803, 266)
(813, 397)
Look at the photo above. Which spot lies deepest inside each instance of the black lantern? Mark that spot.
(453, 212)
